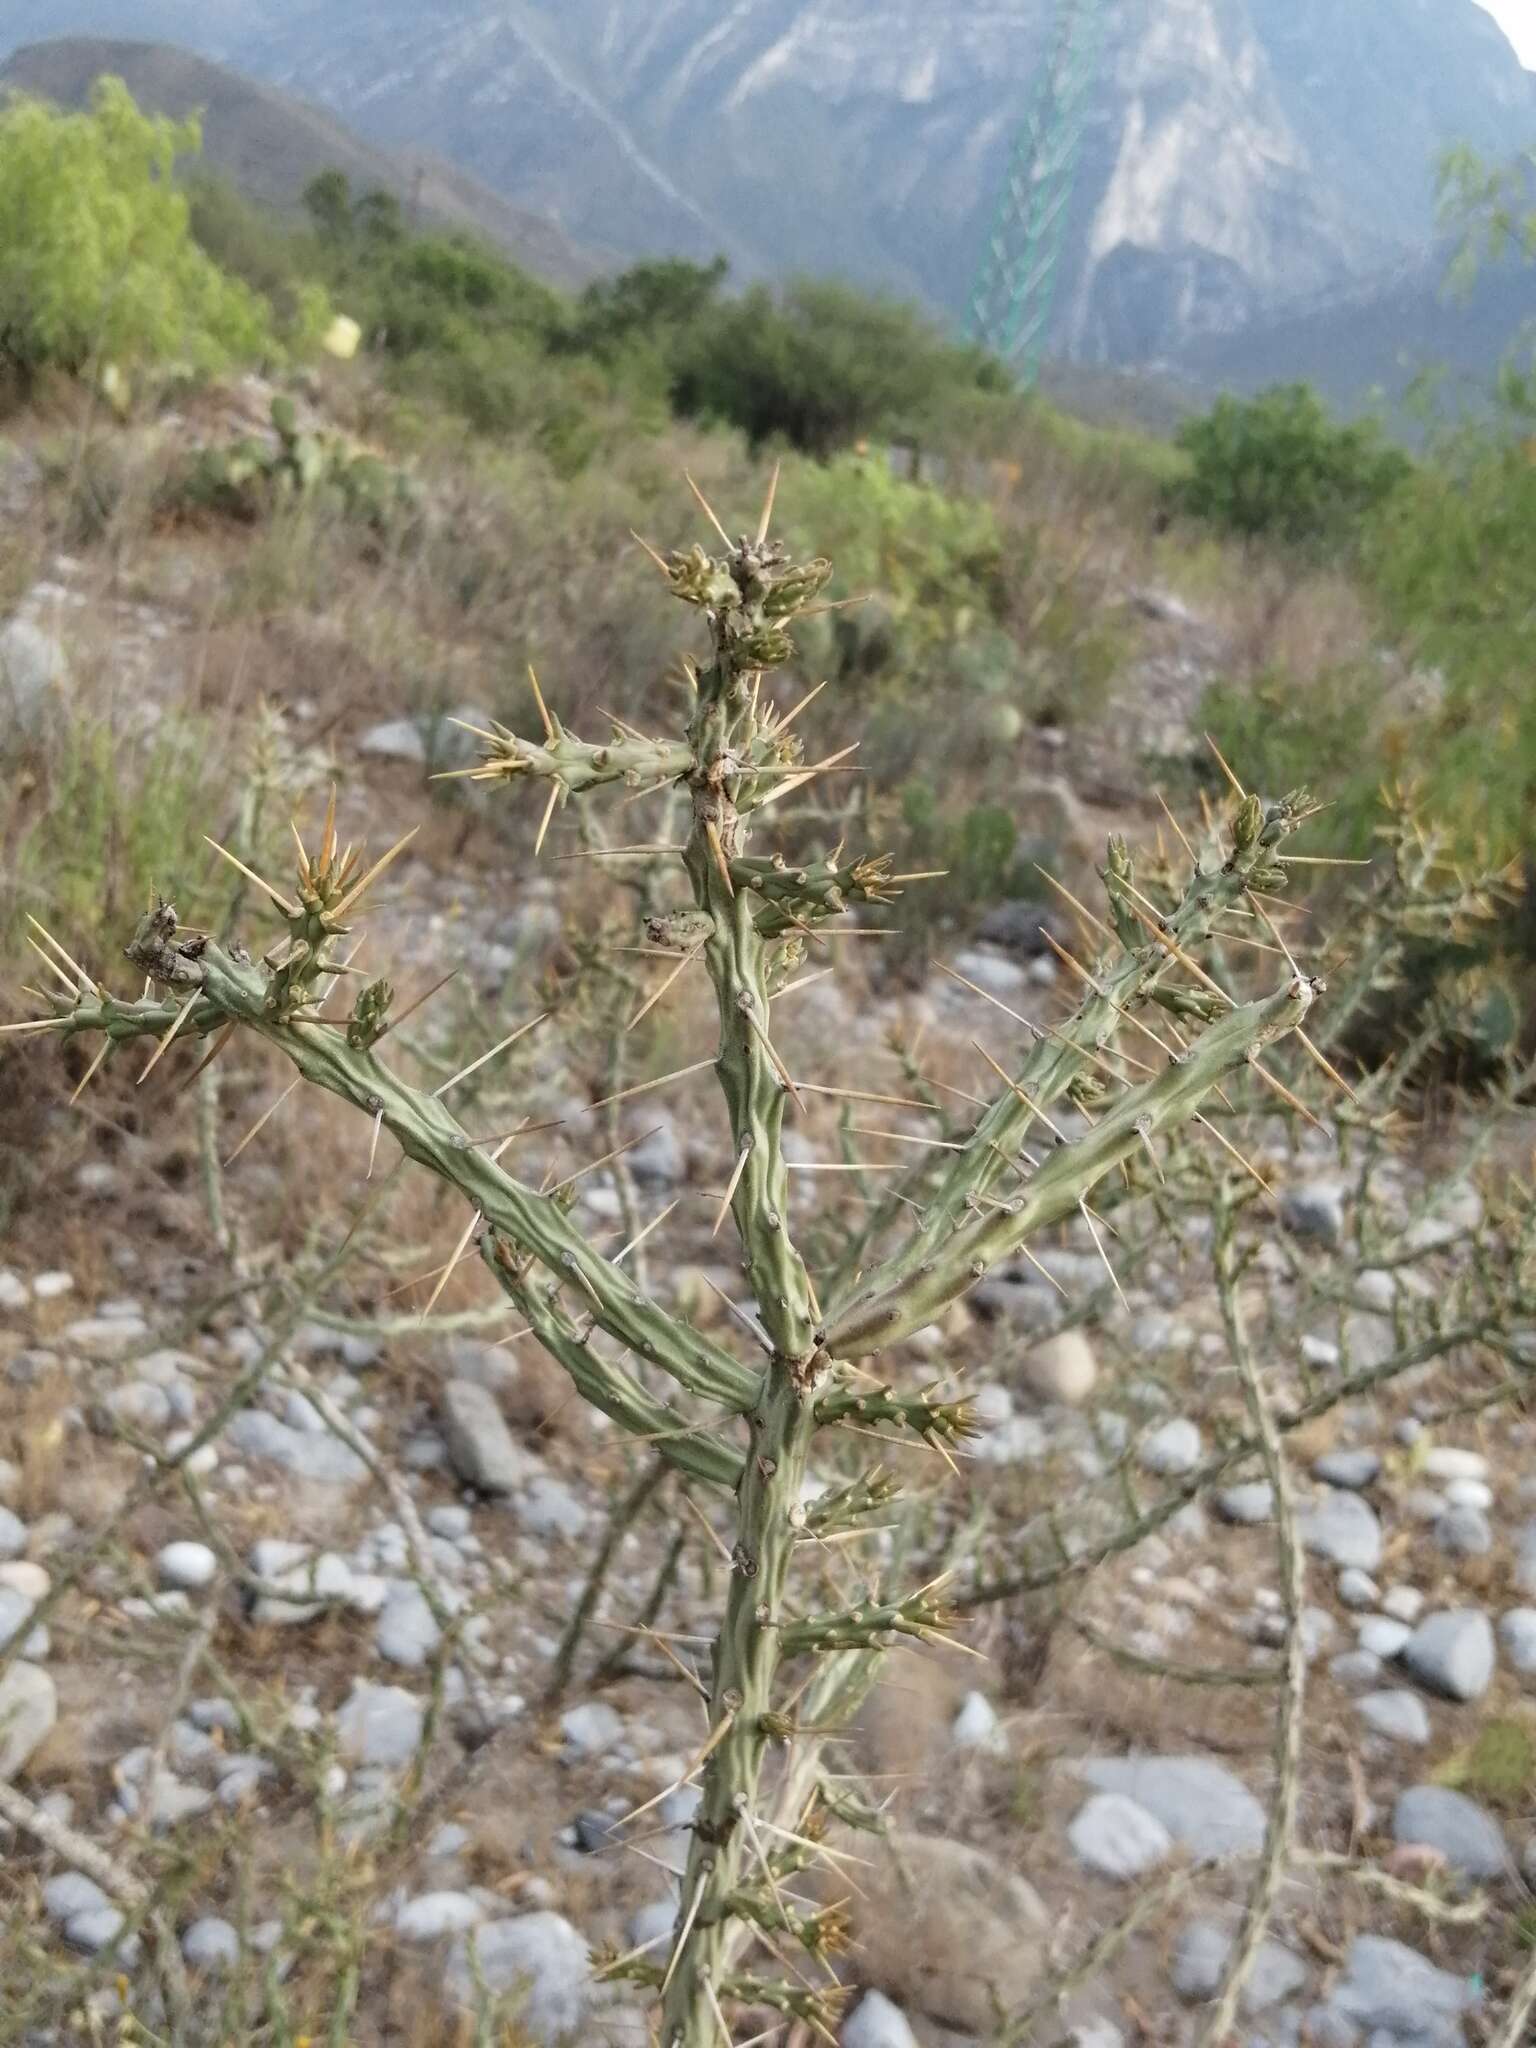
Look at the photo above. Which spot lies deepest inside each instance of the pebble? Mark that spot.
(1200, 1966)
(104, 1337)
(13, 1534)
(977, 1727)
(1470, 1840)
(1118, 1838)
(1469, 1493)
(1394, 1994)
(379, 1724)
(1199, 1802)
(1315, 1213)
(13, 1291)
(1517, 1633)
(72, 1892)
(1355, 1670)
(1444, 1461)
(1342, 1528)
(449, 1520)
(1383, 1636)
(1398, 1714)
(1452, 1653)
(51, 1285)
(211, 1944)
(1251, 1502)
(325, 1459)
(546, 1507)
(877, 2023)
(14, 1610)
(1320, 1352)
(1403, 1603)
(1171, 1450)
(1062, 1369)
(1464, 1532)
(592, 1728)
(542, 1956)
(1358, 1589)
(481, 1448)
(100, 1928)
(407, 1631)
(650, 1926)
(1351, 1470)
(188, 1565)
(433, 1914)
(1525, 1559)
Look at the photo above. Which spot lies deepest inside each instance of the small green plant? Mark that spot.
(791, 1651)
(251, 476)
(1498, 1766)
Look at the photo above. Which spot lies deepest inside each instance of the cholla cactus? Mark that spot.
(751, 914)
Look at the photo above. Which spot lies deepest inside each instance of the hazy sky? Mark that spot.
(1517, 18)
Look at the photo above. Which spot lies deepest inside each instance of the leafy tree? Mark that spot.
(822, 365)
(650, 302)
(97, 259)
(328, 202)
(1279, 465)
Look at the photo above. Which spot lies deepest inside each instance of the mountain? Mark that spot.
(270, 145)
(1240, 158)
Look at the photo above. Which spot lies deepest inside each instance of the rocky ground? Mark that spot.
(287, 1575)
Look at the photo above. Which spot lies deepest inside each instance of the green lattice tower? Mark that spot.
(1015, 289)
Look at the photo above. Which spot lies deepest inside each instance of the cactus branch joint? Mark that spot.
(745, 1427)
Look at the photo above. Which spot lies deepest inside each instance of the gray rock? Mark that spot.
(591, 1728)
(256, 1434)
(72, 1892)
(658, 1160)
(539, 1956)
(1452, 1653)
(1011, 1298)
(650, 1926)
(546, 1506)
(1525, 1559)
(98, 1929)
(1200, 1964)
(188, 1565)
(431, 1915)
(1171, 1450)
(13, 1535)
(1383, 1636)
(1449, 1461)
(407, 1632)
(999, 977)
(1062, 1369)
(481, 1448)
(1355, 1670)
(34, 675)
(1403, 1603)
(29, 1707)
(1470, 1840)
(1118, 1838)
(1517, 1633)
(1314, 1212)
(1251, 1502)
(1351, 1470)
(396, 739)
(596, 1832)
(1344, 1529)
(1358, 1589)
(1390, 1990)
(211, 1944)
(1464, 1532)
(1397, 1714)
(976, 1726)
(139, 1404)
(105, 1337)
(449, 1520)
(379, 1724)
(877, 2023)
(1201, 1805)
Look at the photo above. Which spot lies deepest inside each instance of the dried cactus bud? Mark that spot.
(1248, 824)
(678, 930)
(369, 1015)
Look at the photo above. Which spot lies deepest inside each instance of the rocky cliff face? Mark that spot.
(1238, 153)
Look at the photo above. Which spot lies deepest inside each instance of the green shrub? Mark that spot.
(1278, 465)
(98, 264)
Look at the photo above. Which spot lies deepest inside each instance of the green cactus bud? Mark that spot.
(1248, 824)
(369, 1015)
(284, 416)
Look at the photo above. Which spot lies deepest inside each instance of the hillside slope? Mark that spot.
(270, 144)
